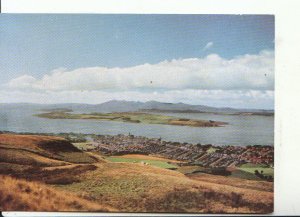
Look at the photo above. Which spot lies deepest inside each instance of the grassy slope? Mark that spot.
(29, 148)
(188, 169)
(148, 157)
(130, 187)
(143, 188)
(233, 181)
(21, 195)
(27, 158)
(133, 117)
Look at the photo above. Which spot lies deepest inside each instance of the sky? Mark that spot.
(215, 60)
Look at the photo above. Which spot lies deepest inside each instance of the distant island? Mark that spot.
(263, 113)
(137, 106)
(132, 117)
(171, 111)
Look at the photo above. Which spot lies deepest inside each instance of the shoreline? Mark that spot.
(62, 134)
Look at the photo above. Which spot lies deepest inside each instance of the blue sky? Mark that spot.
(35, 45)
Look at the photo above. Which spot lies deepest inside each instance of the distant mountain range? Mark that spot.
(133, 106)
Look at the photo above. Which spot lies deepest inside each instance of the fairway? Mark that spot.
(266, 170)
(156, 163)
(250, 168)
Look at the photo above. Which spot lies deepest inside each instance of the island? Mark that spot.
(133, 117)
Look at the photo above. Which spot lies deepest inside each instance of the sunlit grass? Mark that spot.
(156, 163)
(266, 171)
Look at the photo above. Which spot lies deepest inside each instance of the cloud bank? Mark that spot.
(245, 81)
(210, 73)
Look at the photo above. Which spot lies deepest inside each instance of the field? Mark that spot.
(41, 173)
(133, 117)
(266, 171)
(251, 168)
(157, 163)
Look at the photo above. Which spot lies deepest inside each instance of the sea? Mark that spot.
(242, 130)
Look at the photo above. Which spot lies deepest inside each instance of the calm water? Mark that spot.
(242, 130)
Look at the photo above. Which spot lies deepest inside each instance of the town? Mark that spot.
(206, 155)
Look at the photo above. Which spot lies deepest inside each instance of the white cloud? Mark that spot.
(23, 82)
(244, 81)
(247, 72)
(208, 45)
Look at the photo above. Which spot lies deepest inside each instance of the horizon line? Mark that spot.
(221, 107)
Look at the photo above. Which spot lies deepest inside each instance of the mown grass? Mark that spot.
(250, 168)
(266, 171)
(157, 163)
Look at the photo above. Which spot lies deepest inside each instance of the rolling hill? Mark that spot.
(44, 173)
(31, 149)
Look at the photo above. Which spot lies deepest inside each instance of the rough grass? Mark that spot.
(11, 168)
(23, 157)
(235, 182)
(144, 188)
(188, 169)
(244, 175)
(148, 157)
(46, 146)
(21, 195)
(59, 175)
(128, 187)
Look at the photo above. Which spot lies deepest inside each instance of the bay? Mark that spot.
(241, 130)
